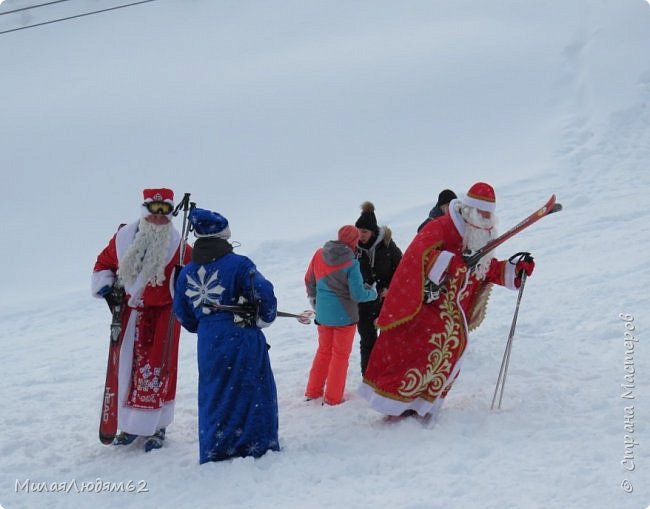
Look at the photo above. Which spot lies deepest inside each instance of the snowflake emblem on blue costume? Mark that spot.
(205, 290)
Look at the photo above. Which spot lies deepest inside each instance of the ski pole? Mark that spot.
(505, 362)
(305, 317)
(185, 205)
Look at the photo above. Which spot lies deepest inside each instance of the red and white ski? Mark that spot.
(549, 207)
(108, 420)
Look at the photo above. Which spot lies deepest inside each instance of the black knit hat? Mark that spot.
(367, 219)
(445, 197)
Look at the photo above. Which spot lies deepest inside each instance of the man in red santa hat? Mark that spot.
(141, 257)
(434, 301)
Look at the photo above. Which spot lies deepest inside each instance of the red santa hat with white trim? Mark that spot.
(481, 196)
(161, 195)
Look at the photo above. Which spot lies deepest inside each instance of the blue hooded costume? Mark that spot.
(238, 409)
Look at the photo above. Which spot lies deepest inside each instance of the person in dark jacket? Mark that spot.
(441, 206)
(378, 257)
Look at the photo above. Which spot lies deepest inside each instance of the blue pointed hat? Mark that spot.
(209, 224)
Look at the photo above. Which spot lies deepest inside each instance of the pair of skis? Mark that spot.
(108, 420)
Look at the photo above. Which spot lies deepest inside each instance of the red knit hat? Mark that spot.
(481, 196)
(349, 235)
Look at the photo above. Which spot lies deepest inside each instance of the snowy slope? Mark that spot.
(284, 117)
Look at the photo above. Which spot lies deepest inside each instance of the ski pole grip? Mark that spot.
(520, 257)
(515, 259)
(183, 204)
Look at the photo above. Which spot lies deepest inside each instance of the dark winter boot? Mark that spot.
(155, 441)
(124, 438)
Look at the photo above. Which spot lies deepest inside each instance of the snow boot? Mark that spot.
(155, 441)
(124, 438)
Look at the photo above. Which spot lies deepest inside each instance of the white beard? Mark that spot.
(147, 255)
(478, 231)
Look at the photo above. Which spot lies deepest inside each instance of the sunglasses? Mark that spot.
(159, 207)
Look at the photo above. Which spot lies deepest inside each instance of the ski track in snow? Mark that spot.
(556, 443)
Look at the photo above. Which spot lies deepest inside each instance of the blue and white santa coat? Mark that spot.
(238, 409)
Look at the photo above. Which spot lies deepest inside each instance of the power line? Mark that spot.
(33, 7)
(76, 16)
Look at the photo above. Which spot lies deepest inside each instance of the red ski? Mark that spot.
(108, 420)
(548, 208)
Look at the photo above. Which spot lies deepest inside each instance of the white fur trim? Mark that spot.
(135, 420)
(509, 276)
(99, 280)
(124, 237)
(262, 324)
(388, 406)
(480, 204)
(171, 282)
(456, 217)
(223, 234)
(440, 266)
(149, 200)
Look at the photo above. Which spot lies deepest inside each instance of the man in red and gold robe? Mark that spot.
(433, 302)
(142, 257)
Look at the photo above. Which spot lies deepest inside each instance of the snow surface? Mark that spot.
(285, 116)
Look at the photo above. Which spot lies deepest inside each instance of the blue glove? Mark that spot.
(113, 295)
